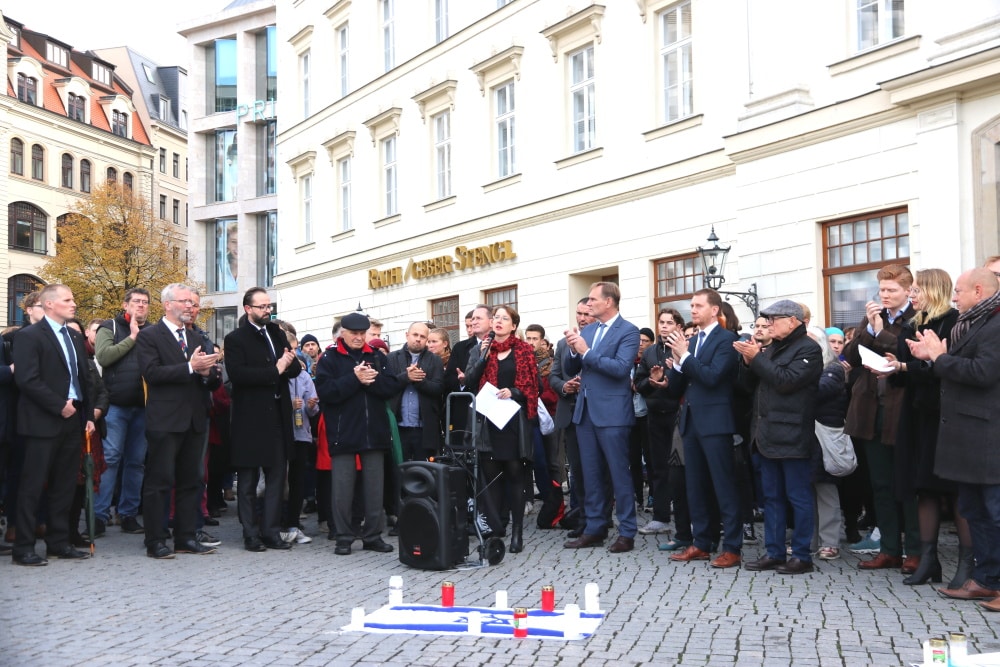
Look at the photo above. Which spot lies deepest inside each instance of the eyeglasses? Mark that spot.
(138, 302)
(502, 318)
(771, 318)
(186, 302)
(266, 306)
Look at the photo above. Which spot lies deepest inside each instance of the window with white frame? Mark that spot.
(76, 107)
(440, 20)
(389, 33)
(343, 52)
(101, 73)
(304, 78)
(344, 190)
(119, 123)
(307, 230)
(581, 89)
(442, 153)
(389, 176)
(503, 104)
(675, 59)
(57, 54)
(878, 22)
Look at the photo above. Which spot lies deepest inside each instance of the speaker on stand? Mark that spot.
(432, 520)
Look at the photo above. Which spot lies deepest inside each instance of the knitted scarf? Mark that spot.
(972, 315)
(525, 371)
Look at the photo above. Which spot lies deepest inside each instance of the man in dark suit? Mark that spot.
(51, 374)
(7, 405)
(417, 406)
(603, 354)
(180, 375)
(454, 375)
(969, 438)
(705, 377)
(260, 362)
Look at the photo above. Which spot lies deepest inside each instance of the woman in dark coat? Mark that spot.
(916, 443)
(510, 366)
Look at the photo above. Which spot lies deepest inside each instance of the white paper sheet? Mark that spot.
(873, 360)
(497, 410)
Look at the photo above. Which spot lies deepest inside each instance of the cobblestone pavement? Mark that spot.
(285, 608)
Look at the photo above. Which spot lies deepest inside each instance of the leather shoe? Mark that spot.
(727, 559)
(193, 547)
(910, 564)
(690, 554)
(160, 551)
(77, 540)
(970, 590)
(992, 605)
(69, 553)
(795, 566)
(378, 545)
(622, 544)
(131, 525)
(30, 559)
(211, 521)
(765, 563)
(277, 545)
(253, 544)
(881, 562)
(584, 541)
(6, 549)
(575, 533)
(342, 549)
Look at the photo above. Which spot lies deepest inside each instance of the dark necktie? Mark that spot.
(267, 342)
(182, 340)
(599, 335)
(699, 342)
(71, 360)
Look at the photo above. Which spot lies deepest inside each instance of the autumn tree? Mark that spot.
(110, 243)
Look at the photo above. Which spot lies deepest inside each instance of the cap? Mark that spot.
(308, 338)
(785, 307)
(355, 322)
(834, 331)
(378, 343)
(647, 332)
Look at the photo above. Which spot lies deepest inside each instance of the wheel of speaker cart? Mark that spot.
(492, 550)
(432, 516)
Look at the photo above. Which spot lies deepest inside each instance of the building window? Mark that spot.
(343, 44)
(267, 154)
(177, 212)
(224, 322)
(442, 153)
(27, 89)
(177, 166)
(76, 108)
(854, 249)
(112, 175)
(675, 56)
(222, 60)
(267, 63)
(17, 157)
(501, 296)
(389, 175)
(440, 20)
(102, 74)
(307, 231)
(304, 77)
(163, 160)
(19, 287)
(224, 256)
(165, 109)
(67, 170)
(57, 54)
(84, 175)
(127, 180)
(389, 33)
(344, 187)
(163, 207)
(226, 168)
(879, 21)
(677, 279)
(26, 227)
(581, 89)
(37, 162)
(503, 99)
(119, 123)
(148, 71)
(444, 314)
(267, 244)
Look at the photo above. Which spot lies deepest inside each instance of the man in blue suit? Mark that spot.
(704, 376)
(603, 354)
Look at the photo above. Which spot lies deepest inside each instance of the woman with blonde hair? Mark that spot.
(439, 343)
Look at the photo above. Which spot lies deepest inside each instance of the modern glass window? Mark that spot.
(675, 56)
(222, 79)
(503, 101)
(343, 47)
(17, 157)
(127, 180)
(76, 107)
(304, 74)
(18, 287)
(119, 123)
(84, 175)
(267, 158)
(67, 170)
(26, 227)
(442, 153)
(147, 69)
(854, 249)
(389, 175)
(224, 321)
(27, 89)
(112, 175)
(307, 198)
(501, 296)
(878, 22)
(581, 90)
(267, 245)
(444, 314)
(440, 20)
(163, 160)
(677, 279)
(37, 162)
(267, 63)
(163, 207)
(57, 54)
(344, 188)
(389, 33)
(176, 212)
(226, 167)
(224, 256)
(177, 166)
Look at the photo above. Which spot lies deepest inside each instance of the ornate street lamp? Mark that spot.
(713, 260)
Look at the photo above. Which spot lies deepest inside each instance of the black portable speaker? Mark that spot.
(433, 515)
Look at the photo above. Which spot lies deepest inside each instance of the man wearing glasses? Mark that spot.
(260, 362)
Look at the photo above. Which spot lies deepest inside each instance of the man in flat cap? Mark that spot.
(353, 384)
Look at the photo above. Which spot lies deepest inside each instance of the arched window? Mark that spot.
(26, 227)
(76, 107)
(127, 180)
(84, 175)
(67, 170)
(27, 89)
(119, 123)
(18, 287)
(17, 157)
(112, 175)
(38, 162)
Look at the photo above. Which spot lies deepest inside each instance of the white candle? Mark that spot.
(395, 590)
(591, 598)
(358, 618)
(501, 599)
(475, 623)
(571, 621)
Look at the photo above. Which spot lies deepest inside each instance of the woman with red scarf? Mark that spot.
(509, 365)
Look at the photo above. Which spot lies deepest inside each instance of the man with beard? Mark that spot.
(417, 407)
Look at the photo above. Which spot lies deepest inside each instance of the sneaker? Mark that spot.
(674, 545)
(866, 546)
(649, 503)
(749, 536)
(654, 527)
(207, 539)
(289, 535)
(828, 553)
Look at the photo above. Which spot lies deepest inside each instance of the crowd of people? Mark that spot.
(693, 431)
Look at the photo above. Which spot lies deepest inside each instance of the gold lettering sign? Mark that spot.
(465, 258)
